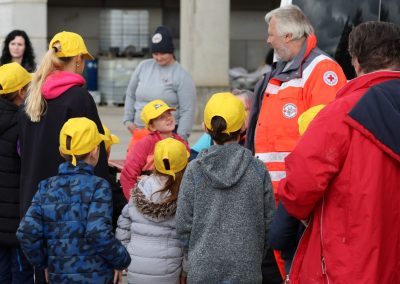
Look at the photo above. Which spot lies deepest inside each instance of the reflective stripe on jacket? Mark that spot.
(313, 78)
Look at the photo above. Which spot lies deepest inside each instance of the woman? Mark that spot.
(160, 77)
(18, 48)
(55, 95)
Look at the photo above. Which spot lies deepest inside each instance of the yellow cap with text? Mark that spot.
(153, 110)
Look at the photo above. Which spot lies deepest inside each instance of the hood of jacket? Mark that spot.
(224, 165)
(60, 81)
(377, 116)
(149, 201)
(8, 114)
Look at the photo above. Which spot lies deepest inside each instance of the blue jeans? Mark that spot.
(14, 267)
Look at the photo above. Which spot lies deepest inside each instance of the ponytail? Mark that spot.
(217, 131)
(35, 104)
(172, 186)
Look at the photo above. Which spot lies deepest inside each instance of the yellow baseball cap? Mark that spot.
(113, 139)
(13, 77)
(227, 106)
(84, 137)
(170, 156)
(72, 44)
(153, 110)
(306, 117)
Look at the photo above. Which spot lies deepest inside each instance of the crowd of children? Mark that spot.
(177, 224)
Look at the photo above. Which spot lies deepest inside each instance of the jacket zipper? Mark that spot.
(287, 279)
(323, 264)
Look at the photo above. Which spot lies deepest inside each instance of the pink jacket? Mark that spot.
(139, 159)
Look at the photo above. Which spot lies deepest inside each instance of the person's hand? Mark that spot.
(182, 278)
(117, 276)
(131, 127)
(46, 274)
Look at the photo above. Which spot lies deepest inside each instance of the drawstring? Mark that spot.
(19, 261)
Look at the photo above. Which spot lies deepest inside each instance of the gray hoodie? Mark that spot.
(225, 208)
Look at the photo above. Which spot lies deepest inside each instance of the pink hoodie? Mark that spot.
(60, 81)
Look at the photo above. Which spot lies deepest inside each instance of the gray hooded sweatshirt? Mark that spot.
(225, 208)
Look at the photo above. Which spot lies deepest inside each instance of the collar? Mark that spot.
(367, 81)
(81, 167)
(297, 62)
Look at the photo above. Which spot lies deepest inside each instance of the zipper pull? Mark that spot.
(323, 266)
(287, 280)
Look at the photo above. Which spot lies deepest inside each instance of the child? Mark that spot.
(159, 120)
(14, 267)
(225, 203)
(147, 224)
(67, 229)
(205, 141)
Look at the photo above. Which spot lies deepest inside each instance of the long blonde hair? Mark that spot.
(35, 104)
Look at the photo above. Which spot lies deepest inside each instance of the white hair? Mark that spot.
(291, 19)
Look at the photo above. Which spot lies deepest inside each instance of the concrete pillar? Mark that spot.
(205, 41)
(204, 47)
(27, 15)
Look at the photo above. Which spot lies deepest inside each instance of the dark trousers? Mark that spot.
(270, 270)
(14, 267)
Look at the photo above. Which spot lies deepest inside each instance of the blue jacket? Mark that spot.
(68, 228)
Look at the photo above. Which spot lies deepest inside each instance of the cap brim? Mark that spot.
(88, 56)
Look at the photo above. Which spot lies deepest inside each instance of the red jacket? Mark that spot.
(139, 159)
(344, 175)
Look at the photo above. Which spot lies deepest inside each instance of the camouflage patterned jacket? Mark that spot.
(68, 228)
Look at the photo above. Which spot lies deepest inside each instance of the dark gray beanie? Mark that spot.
(161, 41)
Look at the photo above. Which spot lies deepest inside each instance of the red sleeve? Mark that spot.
(314, 162)
(324, 82)
(135, 161)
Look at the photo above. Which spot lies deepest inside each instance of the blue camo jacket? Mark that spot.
(68, 228)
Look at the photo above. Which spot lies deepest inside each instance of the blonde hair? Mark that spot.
(35, 104)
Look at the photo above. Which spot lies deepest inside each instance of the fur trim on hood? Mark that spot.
(153, 209)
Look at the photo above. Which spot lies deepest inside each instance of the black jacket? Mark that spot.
(10, 167)
(40, 156)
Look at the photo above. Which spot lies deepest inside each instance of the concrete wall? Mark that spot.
(248, 45)
(247, 31)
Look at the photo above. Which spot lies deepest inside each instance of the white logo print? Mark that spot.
(289, 110)
(156, 38)
(330, 78)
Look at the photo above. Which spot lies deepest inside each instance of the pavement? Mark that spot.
(111, 116)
